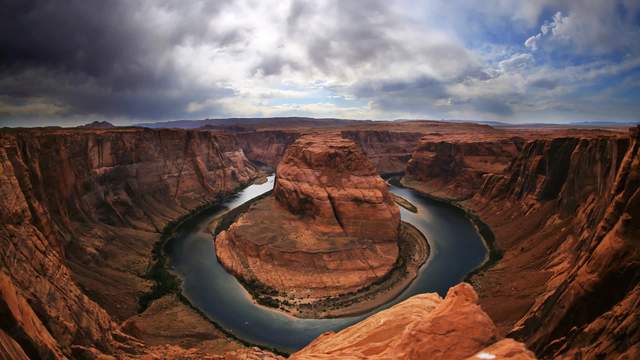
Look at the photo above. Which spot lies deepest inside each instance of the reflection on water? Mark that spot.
(456, 249)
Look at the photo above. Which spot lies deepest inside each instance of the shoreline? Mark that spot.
(169, 232)
(414, 252)
(166, 282)
(482, 229)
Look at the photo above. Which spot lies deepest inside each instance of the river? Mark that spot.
(456, 250)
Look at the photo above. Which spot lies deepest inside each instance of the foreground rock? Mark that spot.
(422, 327)
(330, 228)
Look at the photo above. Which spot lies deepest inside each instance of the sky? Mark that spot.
(75, 61)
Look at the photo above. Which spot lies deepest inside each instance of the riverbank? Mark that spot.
(413, 253)
(167, 285)
(483, 230)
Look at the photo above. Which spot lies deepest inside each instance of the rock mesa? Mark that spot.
(331, 226)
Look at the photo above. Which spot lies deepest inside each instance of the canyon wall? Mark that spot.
(389, 151)
(455, 169)
(566, 216)
(81, 212)
(267, 146)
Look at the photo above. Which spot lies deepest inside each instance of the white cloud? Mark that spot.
(590, 27)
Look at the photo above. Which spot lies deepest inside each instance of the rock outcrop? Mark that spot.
(389, 151)
(81, 212)
(329, 179)
(566, 216)
(422, 327)
(331, 226)
(267, 146)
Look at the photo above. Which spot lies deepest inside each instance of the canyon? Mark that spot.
(85, 209)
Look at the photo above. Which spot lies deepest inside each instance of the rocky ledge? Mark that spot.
(330, 229)
(422, 327)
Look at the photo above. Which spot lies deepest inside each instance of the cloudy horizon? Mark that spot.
(128, 62)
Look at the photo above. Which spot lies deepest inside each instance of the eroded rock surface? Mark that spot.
(422, 327)
(455, 169)
(566, 217)
(81, 211)
(331, 226)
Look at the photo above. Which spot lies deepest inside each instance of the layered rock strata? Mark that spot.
(331, 226)
(389, 151)
(566, 216)
(81, 211)
(422, 327)
(455, 169)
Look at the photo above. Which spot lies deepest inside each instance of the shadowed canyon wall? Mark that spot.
(566, 215)
(81, 212)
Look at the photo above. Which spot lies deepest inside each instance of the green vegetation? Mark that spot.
(165, 282)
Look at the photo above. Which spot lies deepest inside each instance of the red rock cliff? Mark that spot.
(329, 179)
(81, 212)
(455, 169)
(388, 150)
(566, 214)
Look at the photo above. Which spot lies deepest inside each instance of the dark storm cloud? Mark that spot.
(104, 57)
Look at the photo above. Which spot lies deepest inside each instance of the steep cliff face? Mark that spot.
(81, 212)
(422, 327)
(389, 151)
(330, 228)
(455, 169)
(266, 146)
(329, 179)
(565, 214)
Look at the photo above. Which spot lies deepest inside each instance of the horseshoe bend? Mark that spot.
(329, 235)
(319, 180)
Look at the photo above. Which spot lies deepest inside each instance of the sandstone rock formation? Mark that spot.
(565, 215)
(268, 146)
(329, 179)
(389, 151)
(330, 228)
(455, 169)
(81, 211)
(422, 327)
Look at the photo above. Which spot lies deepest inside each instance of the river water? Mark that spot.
(456, 250)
